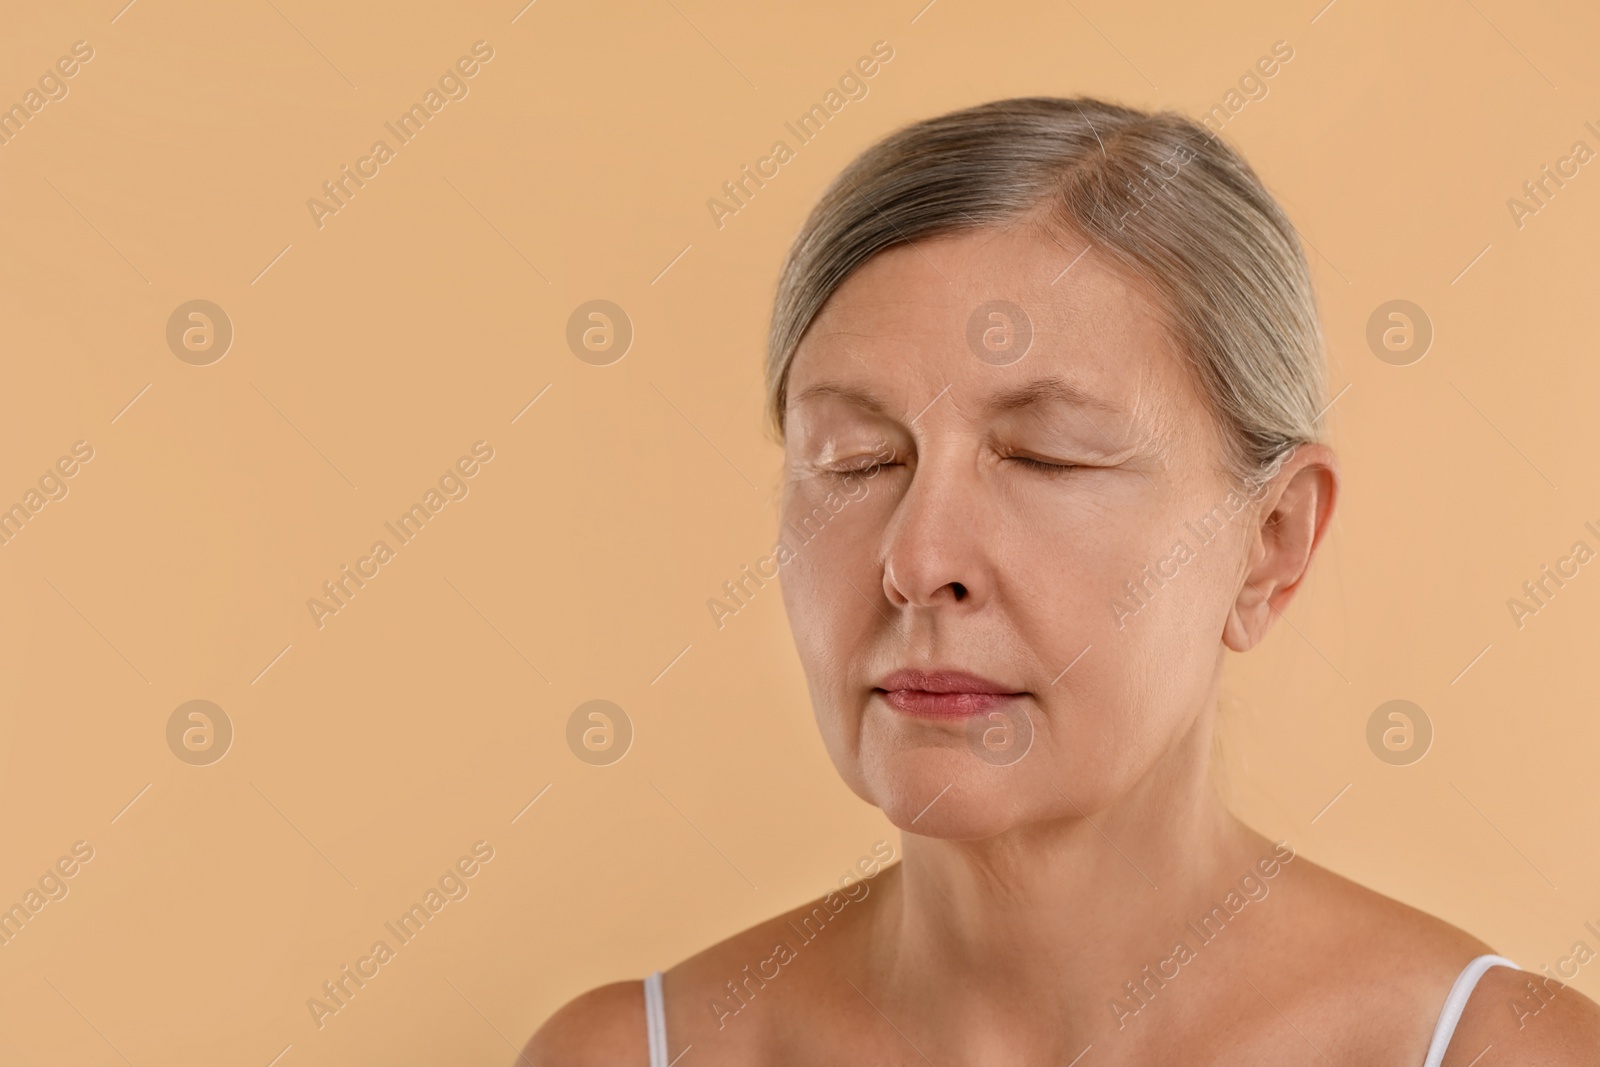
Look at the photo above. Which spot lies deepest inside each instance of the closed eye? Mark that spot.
(869, 465)
(1041, 465)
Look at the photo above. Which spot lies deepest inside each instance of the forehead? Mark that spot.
(902, 326)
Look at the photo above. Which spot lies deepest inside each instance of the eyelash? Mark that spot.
(845, 472)
(1027, 461)
(867, 463)
(1041, 465)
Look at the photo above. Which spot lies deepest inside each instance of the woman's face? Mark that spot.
(1056, 525)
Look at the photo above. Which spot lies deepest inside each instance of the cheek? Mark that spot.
(1144, 602)
(826, 554)
(1074, 577)
(834, 626)
(826, 626)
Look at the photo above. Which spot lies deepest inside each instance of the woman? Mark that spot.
(1051, 373)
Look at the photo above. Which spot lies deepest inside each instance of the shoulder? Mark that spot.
(605, 1026)
(1528, 1018)
(1356, 933)
(1392, 966)
(753, 992)
(1368, 973)
(733, 1002)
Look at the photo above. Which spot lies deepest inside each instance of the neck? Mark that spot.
(1044, 924)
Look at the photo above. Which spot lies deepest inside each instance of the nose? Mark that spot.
(937, 546)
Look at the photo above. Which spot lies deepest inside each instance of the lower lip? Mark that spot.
(926, 705)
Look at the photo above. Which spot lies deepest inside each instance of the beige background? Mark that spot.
(426, 315)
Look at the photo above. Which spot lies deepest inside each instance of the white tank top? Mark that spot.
(655, 1012)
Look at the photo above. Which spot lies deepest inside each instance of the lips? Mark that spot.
(943, 694)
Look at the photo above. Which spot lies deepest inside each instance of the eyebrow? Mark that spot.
(1038, 391)
(848, 393)
(1042, 390)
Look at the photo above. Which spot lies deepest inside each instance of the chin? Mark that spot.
(975, 800)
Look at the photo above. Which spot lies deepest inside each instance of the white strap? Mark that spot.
(1455, 1004)
(655, 1020)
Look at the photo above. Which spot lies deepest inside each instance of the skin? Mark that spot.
(1029, 893)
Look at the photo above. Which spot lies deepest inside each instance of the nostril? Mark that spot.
(960, 590)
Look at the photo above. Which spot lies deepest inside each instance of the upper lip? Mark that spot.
(942, 681)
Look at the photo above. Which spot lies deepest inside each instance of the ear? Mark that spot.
(1292, 517)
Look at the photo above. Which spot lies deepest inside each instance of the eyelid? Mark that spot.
(860, 465)
(1047, 455)
(865, 456)
(1039, 464)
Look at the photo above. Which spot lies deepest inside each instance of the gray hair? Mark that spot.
(1172, 204)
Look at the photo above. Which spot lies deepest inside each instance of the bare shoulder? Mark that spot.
(1371, 934)
(751, 993)
(732, 1002)
(1526, 1018)
(1367, 973)
(605, 1026)
(1392, 966)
